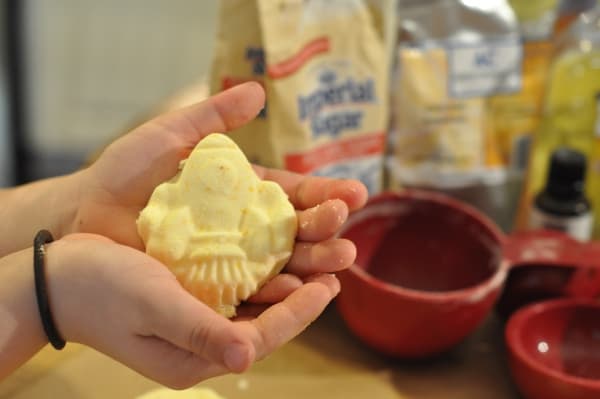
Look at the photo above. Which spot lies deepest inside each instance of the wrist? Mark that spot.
(61, 296)
(50, 204)
(74, 284)
(68, 201)
(21, 330)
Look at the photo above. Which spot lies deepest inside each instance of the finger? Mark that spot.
(285, 320)
(323, 257)
(322, 221)
(222, 112)
(277, 289)
(308, 191)
(183, 320)
(169, 138)
(328, 279)
(86, 236)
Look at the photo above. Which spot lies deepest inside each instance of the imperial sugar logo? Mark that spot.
(329, 108)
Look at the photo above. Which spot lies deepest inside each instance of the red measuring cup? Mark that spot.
(554, 349)
(430, 268)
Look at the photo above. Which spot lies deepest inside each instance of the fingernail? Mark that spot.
(236, 358)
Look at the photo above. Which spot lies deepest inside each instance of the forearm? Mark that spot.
(47, 204)
(21, 332)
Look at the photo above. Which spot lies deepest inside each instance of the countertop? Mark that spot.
(326, 361)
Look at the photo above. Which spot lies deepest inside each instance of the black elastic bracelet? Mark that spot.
(41, 291)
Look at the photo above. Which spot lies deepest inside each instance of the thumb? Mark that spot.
(189, 324)
(139, 161)
(222, 112)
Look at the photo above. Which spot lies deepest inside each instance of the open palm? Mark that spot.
(148, 322)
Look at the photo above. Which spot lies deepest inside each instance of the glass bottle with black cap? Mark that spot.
(562, 204)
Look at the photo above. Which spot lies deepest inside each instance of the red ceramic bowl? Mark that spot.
(554, 349)
(427, 272)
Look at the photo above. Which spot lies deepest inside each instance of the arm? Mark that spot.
(106, 198)
(129, 306)
(21, 334)
(106, 293)
(50, 204)
(109, 297)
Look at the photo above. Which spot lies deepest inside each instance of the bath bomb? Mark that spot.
(218, 227)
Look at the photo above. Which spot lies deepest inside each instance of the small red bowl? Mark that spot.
(554, 349)
(428, 270)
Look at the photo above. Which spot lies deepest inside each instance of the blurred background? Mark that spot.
(471, 98)
(77, 73)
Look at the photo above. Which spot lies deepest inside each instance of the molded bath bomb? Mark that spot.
(218, 227)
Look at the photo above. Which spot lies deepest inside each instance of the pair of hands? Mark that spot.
(141, 316)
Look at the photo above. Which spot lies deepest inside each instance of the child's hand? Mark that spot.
(127, 305)
(118, 185)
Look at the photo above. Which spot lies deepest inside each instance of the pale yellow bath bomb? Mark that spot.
(192, 393)
(221, 230)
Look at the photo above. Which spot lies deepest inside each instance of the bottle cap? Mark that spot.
(566, 177)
